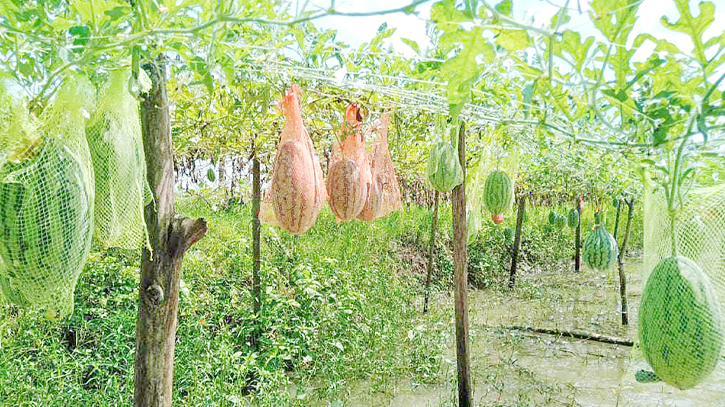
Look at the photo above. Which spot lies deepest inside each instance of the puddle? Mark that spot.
(520, 368)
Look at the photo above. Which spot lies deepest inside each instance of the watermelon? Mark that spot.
(444, 167)
(680, 328)
(210, 175)
(498, 193)
(552, 217)
(573, 219)
(46, 220)
(560, 221)
(600, 248)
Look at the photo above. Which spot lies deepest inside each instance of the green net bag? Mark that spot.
(680, 328)
(46, 200)
(116, 146)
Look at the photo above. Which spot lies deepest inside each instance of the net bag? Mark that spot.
(349, 175)
(46, 200)
(116, 146)
(680, 327)
(297, 191)
(384, 194)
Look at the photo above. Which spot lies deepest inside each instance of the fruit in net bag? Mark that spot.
(349, 176)
(297, 191)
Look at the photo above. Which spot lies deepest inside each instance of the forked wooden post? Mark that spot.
(460, 271)
(169, 236)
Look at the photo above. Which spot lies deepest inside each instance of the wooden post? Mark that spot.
(460, 271)
(578, 237)
(256, 254)
(517, 240)
(616, 220)
(620, 261)
(170, 236)
(431, 251)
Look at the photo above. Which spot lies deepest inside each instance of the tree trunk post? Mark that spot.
(460, 271)
(517, 240)
(620, 261)
(256, 253)
(169, 236)
(578, 237)
(431, 251)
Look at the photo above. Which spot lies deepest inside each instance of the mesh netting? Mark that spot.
(384, 195)
(297, 191)
(349, 176)
(116, 145)
(46, 199)
(680, 337)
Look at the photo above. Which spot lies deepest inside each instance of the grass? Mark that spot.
(341, 307)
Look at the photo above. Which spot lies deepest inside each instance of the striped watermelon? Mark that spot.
(600, 248)
(498, 193)
(680, 327)
(552, 217)
(444, 167)
(46, 220)
(573, 219)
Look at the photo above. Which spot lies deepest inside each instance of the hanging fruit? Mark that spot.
(384, 193)
(573, 219)
(349, 176)
(680, 327)
(498, 193)
(297, 192)
(444, 167)
(600, 248)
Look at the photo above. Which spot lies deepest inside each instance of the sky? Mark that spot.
(356, 30)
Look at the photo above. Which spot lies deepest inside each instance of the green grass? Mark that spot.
(337, 306)
(340, 308)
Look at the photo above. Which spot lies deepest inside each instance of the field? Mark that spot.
(341, 326)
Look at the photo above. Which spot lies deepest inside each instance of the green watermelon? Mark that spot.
(552, 217)
(444, 167)
(46, 220)
(498, 193)
(600, 249)
(573, 219)
(210, 175)
(680, 328)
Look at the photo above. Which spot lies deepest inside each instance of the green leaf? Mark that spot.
(693, 26)
(463, 68)
(513, 39)
(505, 7)
(412, 44)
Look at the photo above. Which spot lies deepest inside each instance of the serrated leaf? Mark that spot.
(513, 39)
(693, 26)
